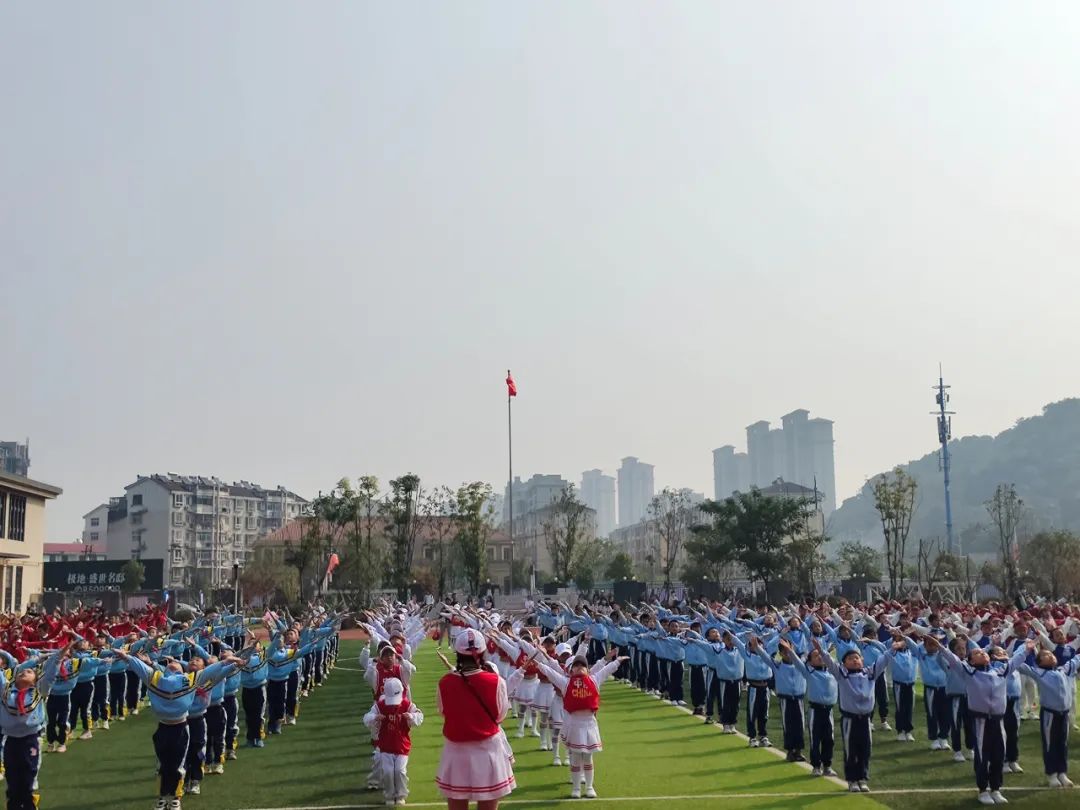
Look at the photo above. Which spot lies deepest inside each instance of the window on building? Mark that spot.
(94, 537)
(95, 521)
(176, 574)
(18, 588)
(17, 517)
(136, 519)
(205, 500)
(429, 552)
(491, 553)
(177, 500)
(506, 553)
(177, 555)
(177, 519)
(3, 513)
(8, 587)
(136, 500)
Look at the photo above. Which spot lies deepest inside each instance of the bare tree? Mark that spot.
(894, 500)
(671, 515)
(1006, 510)
(437, 509)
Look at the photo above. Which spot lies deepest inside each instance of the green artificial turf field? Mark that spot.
(655, 756)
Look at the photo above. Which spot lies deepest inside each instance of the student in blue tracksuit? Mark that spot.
(697, 661)
(1057, 694)
(674, 652)
(871, 648)
(58, 704)
(999, 660)
(724, 677)
(198, 726)
(171, 691)
(22, 719)
(935, 694)
(92, 662)
(956, 690)
(855, 693)
(821, 695)
(283, 659)
(902, 664)
(99, 700)
(790, 690)
(253, 696)
(986, 688)
(230, 703)
(757, 693)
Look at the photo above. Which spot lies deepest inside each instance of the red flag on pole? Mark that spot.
(511, 386)
(333, 563)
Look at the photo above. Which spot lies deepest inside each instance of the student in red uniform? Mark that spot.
(581, 700)
(476, 762)
(390, 719)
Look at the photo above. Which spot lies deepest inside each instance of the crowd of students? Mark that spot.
(984, 670)
(196, 678)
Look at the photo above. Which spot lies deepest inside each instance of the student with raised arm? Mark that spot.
(758, 674)
(580, 691)
(1057, 691)
(821, 693)
(855, 685)
(986, 701)
(171, 693)
(790, 690)
(935, 694)
(390, 719)
(22, 721)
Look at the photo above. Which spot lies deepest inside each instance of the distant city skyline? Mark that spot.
(322, 266)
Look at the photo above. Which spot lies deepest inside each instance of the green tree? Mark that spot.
(894, 501)
(401, 508)
(472, 521)
(620, 567)
(566, 531)
(134, 575)
(1051, 563)
(755, 529)
(861, 561)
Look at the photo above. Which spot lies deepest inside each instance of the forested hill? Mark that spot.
(1041, 455)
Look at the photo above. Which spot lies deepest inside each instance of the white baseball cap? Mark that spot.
(470, 642)
(392, 691)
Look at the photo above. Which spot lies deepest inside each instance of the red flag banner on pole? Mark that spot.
(333, 563)
(511, 386)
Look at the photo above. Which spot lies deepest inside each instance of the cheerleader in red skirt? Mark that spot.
(476, 762)
(580, 701)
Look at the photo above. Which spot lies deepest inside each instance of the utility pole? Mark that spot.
(944, 425)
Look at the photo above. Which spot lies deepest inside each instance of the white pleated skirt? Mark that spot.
(581, 732)
(479, 771)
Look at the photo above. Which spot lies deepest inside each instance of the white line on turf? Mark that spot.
(658, 799)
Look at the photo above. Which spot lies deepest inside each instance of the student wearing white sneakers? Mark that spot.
(986, 697)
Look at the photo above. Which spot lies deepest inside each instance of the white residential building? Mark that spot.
(598, 493)
(199, 526)
(636, 490)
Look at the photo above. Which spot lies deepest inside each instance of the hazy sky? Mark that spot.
(292, 242)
